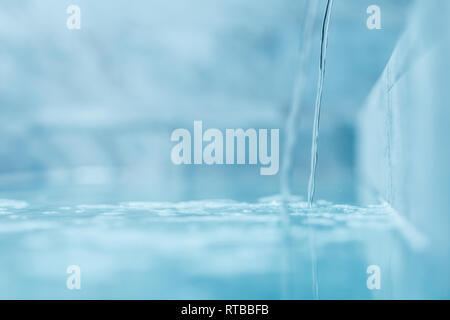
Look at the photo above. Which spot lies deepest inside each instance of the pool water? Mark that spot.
(215, 249)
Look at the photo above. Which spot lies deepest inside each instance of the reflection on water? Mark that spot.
(196, 249)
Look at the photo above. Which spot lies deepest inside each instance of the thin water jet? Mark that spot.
(297, 96)
(291, 127)
(291, 139)
(315, 135)
(314, 147)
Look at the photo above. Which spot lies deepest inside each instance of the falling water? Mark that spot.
(291, 126)
(311, 185)
(315, 136)
(297, 95)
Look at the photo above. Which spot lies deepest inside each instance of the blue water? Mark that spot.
(229, 65)
(216, 249)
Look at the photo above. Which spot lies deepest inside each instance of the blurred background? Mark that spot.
(95, 107)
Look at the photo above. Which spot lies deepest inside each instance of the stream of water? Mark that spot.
(315, 135)
(297, 96)
(292, 126)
